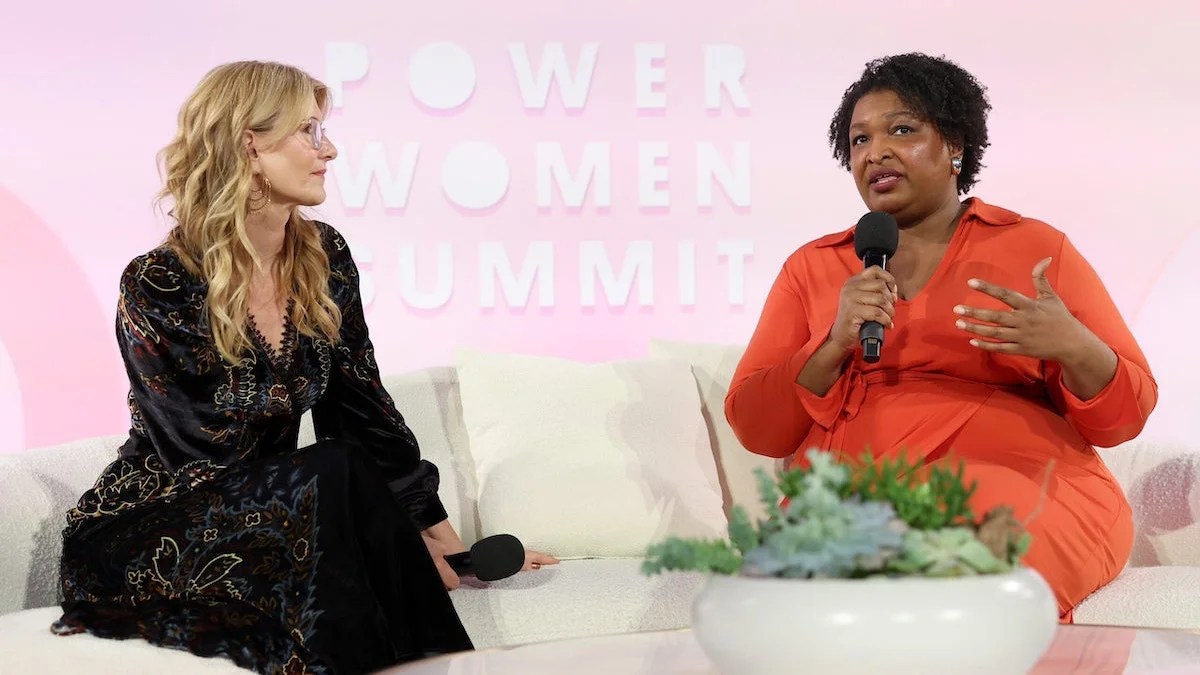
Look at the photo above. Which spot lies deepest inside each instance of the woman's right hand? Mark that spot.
(438, 552)
(869, 295)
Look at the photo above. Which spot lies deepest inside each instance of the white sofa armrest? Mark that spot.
(1162, 482)
(37, 488)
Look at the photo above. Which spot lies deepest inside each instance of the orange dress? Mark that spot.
(932, 395)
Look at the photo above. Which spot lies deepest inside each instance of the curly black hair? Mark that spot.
(938, 91)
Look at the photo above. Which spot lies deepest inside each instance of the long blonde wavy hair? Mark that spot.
(209, 180)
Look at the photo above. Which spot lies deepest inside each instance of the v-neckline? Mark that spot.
(278, 354)
(956, 239)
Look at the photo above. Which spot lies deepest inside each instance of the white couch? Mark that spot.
(583, 596)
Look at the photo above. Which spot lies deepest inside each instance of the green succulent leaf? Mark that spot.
(741, 531)
(698, 555)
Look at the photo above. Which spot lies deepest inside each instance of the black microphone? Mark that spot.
(876, 238)
(496, 557)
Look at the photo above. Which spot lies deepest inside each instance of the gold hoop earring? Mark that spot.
(260, 194)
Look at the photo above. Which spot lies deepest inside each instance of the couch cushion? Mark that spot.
(1156, 597)
(28, 646)
(589, 459)
(713, 366)
(576, 598)
(573, 599)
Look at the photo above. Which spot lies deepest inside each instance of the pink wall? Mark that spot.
(1091, 132)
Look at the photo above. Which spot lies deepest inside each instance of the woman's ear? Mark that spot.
(248, 140)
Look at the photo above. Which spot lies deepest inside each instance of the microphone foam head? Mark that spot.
(497, 557)
(876, 231)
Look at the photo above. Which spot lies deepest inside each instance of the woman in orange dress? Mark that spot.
(1002, 347)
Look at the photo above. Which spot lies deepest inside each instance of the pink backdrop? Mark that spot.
(575, 178)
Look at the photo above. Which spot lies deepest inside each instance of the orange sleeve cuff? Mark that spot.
(824, 410)
(1115, 414)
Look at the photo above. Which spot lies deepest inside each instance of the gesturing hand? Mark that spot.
(1041, 327)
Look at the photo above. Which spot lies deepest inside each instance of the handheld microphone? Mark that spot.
(491, 558)
(876, 238)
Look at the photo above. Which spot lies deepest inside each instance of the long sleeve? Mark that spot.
(170, 363)
(1118, 413)
(357, 407)
(768, 411)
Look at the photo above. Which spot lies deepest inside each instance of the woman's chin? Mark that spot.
(887, 202)
(313, 199)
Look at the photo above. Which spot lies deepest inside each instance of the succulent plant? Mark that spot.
(835, 519)
(832, 542)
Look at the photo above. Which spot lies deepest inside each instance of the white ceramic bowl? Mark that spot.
(996, 624)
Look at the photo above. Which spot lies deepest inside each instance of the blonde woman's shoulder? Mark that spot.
(333, 240)
(159, 279)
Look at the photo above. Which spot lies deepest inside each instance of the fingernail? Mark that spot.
(960, 323)
(974, 343)
(959, 309)
(973, 283)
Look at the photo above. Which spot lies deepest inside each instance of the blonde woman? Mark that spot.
(212, 533)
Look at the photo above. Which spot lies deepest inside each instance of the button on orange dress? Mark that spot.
(934, 396)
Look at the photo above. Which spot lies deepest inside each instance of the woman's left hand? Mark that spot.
(535, 560)
(1041, 327)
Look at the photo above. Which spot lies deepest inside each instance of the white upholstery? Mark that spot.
(713, 366)
(1161, 585)
(28, 646)
(582, 597)
(1162, 482)
(1163, 596)
(36, 490)
(576, 598)
(624, 461)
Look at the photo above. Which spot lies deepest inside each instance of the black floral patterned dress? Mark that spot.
(214, 533)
